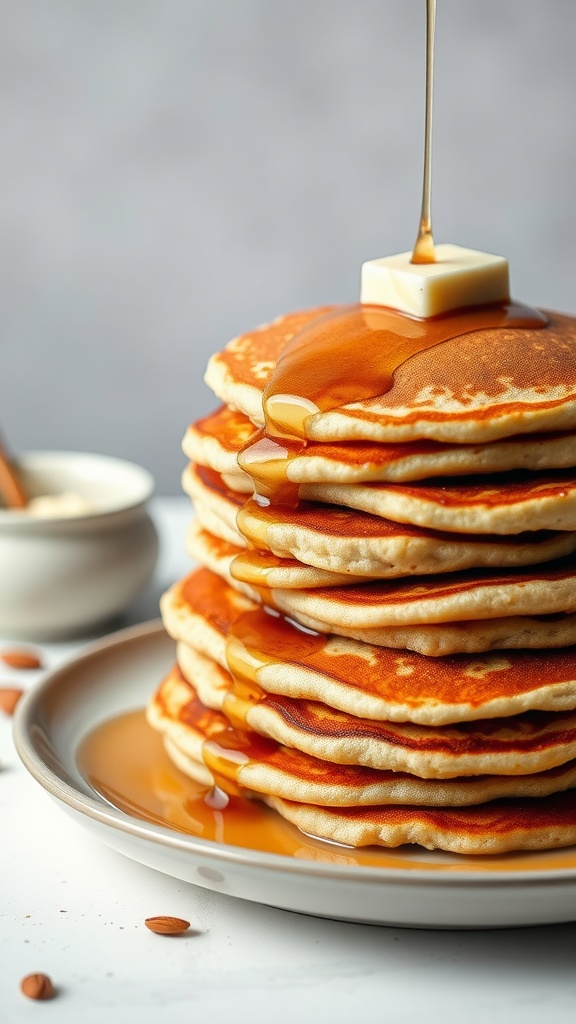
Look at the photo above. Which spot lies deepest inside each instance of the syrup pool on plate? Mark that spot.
(124, 760)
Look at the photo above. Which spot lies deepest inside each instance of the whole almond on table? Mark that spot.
(9, 697)
(37, 986)
(167, 925)
(19, 658)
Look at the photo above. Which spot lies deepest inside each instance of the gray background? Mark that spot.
(173, 173)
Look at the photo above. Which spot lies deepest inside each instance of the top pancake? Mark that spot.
(478, 387)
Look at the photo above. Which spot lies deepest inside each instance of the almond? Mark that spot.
(17, 658)
(9, 697)
(37, 986)
(167, 925)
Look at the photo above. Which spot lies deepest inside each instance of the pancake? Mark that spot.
(199, 613)
(508, 382)
(215, 504)
(255, 765)
(338, 539)
(467, 637)
(333, 537)
(508, 504)
(518, 745)
(186, 619)
(273, 654)
(497, 827)
(216, 440)
(257, 569)
(474, 594)
(239, 373)
(414, 600)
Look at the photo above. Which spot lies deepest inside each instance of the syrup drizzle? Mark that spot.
(424, 246)
(343, 357)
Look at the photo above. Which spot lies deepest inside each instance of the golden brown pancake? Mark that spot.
(194, 611)
(437, 639)
(216, 440)
(475, 388)
(413, 600)
(275, 655)
(467, 637)
(342, 540)
(257, 569)
(475, 594)
(216, 505)
(518, 745)
(199, 738)
(244, 367)
(496, 827)
(499, 504)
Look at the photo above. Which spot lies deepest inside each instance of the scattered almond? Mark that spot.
(17, 658)
(167, 925)
(9, 697)
(37, 986)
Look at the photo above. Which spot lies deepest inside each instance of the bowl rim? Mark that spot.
(139, 490)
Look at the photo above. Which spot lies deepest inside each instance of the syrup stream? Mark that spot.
(424, 246)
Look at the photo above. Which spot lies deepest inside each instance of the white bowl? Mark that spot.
(61, 576)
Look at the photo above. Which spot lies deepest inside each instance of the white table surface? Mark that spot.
(75, 909)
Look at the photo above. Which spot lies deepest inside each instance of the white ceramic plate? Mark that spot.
(430, 890)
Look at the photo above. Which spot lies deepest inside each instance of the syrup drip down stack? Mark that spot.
(380, 641)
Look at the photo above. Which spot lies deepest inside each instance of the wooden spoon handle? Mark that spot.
(11, 489)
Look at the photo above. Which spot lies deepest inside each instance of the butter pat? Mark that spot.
(459, 277)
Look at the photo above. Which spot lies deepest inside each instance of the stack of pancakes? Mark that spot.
(390, 658)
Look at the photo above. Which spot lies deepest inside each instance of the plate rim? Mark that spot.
(98, 809)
